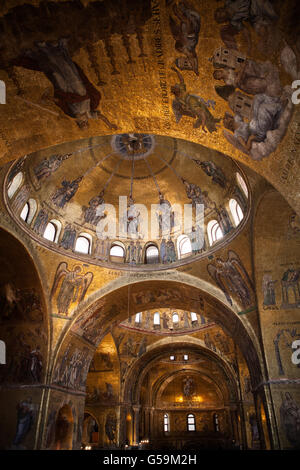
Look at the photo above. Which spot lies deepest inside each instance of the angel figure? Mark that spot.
(232, 278)
(188, 104)
(73, 287)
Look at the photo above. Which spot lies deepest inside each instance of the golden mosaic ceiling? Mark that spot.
(204, 72)
(131, 189)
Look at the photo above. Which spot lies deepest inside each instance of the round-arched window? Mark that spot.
(184, 245)
(117, 250)
(236, 211)
(83, 243)
(214, 231)
(15, 184)
(191, 422)
(152, 254)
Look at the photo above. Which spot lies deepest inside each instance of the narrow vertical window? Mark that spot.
(214, 231)
(25, 212)
(15, 184)
(191, 422)
(50, 232)
(236, 212)
(242, 184)
(166, 423)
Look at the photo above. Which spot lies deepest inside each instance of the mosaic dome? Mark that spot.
(135, 201)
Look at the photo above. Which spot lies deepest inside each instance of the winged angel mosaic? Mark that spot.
(232, 278)
(71, 284)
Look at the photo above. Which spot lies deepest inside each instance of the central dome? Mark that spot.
(131, 200)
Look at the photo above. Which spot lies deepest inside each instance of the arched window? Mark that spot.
(15, 184)
(52, 231)
(214, 231)
(117, 250)
(242, 184)
(138, 317)
(25, 212)
(185, 357)
(156, 318)
(194, 316)
(28, 211)
(216, 422)
(84, 243)
(184, 245)
(175, 318)
(166, 423)
(152, 254)
(191, 422)
(236, 212)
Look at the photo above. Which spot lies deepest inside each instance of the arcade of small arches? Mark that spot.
(170, 249)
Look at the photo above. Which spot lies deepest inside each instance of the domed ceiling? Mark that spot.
(216, 73)
(133, 192)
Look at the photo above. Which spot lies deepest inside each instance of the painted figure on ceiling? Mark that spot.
(163, 251)
(68, 238)
(36, 364)
(188, 387)
(252, 77)
(131, 253)
(171, 256)
(268, 287)
(232, 278)
(73, 286)
(73, 92)
(94, 212)
(139, 252)
(197, 196)
(188, 104)
(49, 165)
(290, 58)
(216, 173)
(21, 198)
(185, 26)
(142, 347)
(66, 192)
(259, 14)
(290, 286)
(41, 222)
(224, 220)
(266, 116)
(132, 220)
(165, 217)
(102, 249)
(197, 240)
